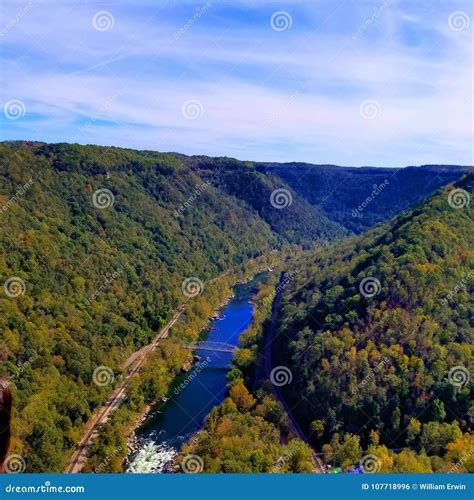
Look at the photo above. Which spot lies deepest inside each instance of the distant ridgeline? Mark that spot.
(360, 198)
(96, 242)
(377, 332)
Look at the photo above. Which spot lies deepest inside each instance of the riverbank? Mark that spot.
(132, 439)
(159, 372)
(248, 431)
(200, 390)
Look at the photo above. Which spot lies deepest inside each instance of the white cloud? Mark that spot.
(67, 74)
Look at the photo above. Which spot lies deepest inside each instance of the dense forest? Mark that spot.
(97, 246)
(377, 333)
(360, 198)
(87, 280)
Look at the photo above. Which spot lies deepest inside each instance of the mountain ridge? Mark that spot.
(378, 335)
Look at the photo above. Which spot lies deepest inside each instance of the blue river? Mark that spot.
(196, 392)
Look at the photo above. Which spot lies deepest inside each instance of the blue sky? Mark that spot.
(351, 82)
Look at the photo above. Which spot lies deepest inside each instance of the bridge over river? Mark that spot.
(208, 345)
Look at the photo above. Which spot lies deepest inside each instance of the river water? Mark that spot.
(195, 393)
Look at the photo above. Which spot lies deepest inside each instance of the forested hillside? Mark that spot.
(288, 214)
(97, 245)
(89, 276)
(378, 335)
(360, 198)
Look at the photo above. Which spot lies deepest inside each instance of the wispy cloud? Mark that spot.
(264, 93)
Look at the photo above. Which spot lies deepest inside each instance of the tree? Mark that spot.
(317, 426)
(413, 430)
(409, 461)
(241, 396)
